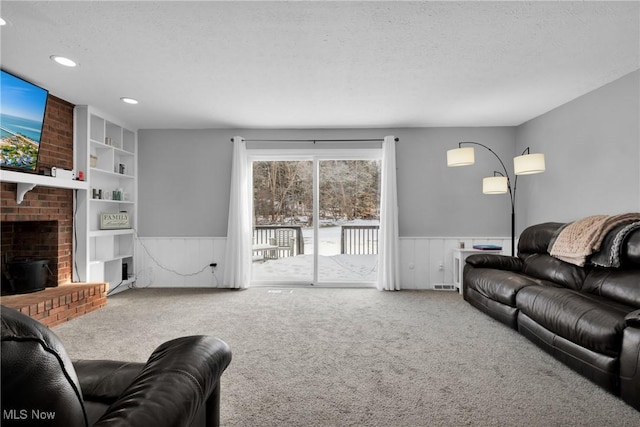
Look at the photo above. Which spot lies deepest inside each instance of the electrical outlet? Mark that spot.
(441, 266)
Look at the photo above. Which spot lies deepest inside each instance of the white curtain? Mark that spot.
(237, 268)
(388, 238)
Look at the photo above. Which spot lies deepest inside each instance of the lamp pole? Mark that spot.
(512, 192)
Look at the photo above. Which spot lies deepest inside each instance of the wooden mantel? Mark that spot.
(28, 181)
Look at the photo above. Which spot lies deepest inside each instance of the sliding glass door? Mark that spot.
(316, 217)
(349, 219)
(282, 249)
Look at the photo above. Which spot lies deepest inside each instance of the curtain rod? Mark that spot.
(318, 140)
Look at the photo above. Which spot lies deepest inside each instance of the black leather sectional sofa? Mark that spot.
(586, 316)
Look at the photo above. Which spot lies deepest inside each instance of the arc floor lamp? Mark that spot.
(500, 183)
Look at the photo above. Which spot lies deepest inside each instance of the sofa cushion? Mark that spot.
(590, 321)
(546, 267)
(619, 285)
(498, 285)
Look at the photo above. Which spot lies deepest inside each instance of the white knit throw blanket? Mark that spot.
(583, 237)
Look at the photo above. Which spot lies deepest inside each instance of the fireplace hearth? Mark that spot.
(53, 306)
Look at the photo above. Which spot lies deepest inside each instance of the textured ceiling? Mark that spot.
(322, 64)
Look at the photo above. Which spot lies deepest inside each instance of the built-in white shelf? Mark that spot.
(112, 258)
(120, 202)
(28, 181)
(108, 152)
(104, 233)
(119, 150)
(112, 174)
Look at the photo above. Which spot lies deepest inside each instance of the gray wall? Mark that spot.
(184, 178)
(183, 183)
(437, 201)
(592, 153)
(591, 145)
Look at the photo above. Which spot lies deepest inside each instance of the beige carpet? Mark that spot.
(354, 357)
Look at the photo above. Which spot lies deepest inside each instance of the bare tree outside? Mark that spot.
(349, 190)
(282, 192)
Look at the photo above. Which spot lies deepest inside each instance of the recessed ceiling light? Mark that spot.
(129, 100)
(2, 22)
(64, 61)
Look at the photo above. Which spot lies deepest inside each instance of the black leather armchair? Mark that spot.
(178, 386)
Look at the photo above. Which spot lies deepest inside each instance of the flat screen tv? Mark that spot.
(22, 109)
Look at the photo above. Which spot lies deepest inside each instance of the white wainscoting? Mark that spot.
(421, 259)
(176, 261)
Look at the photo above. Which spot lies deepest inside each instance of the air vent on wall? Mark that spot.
(444, 287)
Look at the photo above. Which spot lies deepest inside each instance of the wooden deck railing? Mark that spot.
(263, 233)
(359, 239)
(354, 239)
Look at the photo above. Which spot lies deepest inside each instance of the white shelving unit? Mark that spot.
(107, 151)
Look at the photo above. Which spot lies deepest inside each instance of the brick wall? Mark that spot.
(44, 203)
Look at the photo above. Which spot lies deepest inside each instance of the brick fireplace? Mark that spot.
(41, 227)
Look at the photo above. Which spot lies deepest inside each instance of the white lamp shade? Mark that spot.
(528, 164)
(462, 156)
(495, 185)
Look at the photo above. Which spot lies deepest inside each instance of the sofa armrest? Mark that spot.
(179, 378)
(105, 380)
(500, 262)
(633, 319)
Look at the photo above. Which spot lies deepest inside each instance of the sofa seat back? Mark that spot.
(546, 267)
(622, 286)
(535, 239)
(631, 250)
(38, 378)
(619, 284)
(533, 250)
